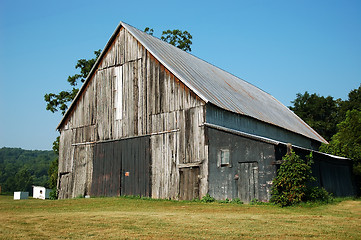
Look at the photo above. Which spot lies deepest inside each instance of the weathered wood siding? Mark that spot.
(172, 150)
(154, 103)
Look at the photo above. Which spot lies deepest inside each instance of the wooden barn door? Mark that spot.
(122, 168)
(106, 167)
(136, 166)
(248, 181)
(189, 183)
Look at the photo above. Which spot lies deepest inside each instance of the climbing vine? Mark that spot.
(291, 184)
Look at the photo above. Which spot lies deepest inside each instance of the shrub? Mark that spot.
(53, 195)
(290, 185)
(318, 194)
(255, 201)
(237, 201)
(207, 198)
(224, 201)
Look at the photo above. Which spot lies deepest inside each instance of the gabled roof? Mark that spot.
(215, 85)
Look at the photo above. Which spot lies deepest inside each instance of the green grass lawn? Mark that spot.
(125, 218)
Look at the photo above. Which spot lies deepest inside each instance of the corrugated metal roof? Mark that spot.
(221, 88)
(217, 86)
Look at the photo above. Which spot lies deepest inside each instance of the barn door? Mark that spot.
(189, 183)
(248, 181)
(122, 168)
(135, 176)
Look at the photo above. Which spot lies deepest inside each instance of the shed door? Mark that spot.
(189, 183)
(248, 181)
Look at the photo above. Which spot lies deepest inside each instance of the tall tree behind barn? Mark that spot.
(153, 120)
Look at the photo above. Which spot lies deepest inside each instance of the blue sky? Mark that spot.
(282, 46)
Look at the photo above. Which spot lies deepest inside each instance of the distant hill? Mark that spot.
(20, 169)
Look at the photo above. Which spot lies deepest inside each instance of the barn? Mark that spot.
(153, 120)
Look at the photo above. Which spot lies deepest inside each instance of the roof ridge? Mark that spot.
(211, 84)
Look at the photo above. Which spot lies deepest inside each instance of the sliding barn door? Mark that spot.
(122, 168)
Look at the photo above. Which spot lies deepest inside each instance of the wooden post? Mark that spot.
(289, 148)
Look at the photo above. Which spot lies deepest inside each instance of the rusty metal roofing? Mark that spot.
(219, 87)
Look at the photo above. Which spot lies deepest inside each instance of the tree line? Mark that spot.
(21, 169)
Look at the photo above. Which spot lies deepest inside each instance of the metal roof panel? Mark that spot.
(221, 88)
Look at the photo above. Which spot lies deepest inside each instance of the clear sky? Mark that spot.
(281, 46)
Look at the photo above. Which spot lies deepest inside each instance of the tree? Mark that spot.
(321, 113)
(148, 30)
(324, 113)
(53, 169)
(61, 100)
(24, 180)
(15, 160)
(53, 174)
(353, 102)
(178, 38)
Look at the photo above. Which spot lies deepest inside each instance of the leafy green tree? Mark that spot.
(24, 180)
(9, 185)
(347, 142)
(53, 169)
(324, 113)
(56, 145)
(61, 100)
(353, 102)
(321, 113)
(13, 160)
(53, 174)
(148, 30)
(178, 38)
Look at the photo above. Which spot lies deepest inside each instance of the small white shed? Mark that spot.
(41, 192)
(21, 195)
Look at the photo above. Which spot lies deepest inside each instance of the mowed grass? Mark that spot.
(124, 218)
